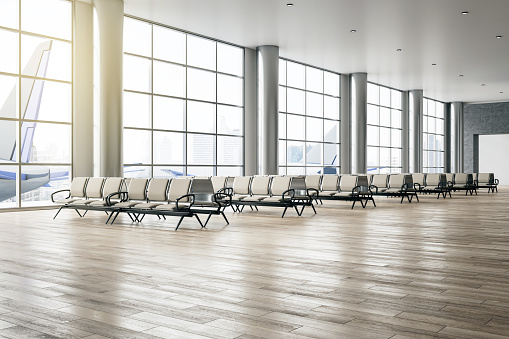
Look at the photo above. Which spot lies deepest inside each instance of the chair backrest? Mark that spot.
(460, 178)
(112, 185)
(409, 181)
(419, 178)
(137, 189)
(363, 181)
(260, 185)
(94, 188)
(432, 179)
(485, 178)
(203, 191)
(77, 188)
(157, 189)
(280, 184)
(347, 183)
(229, 182)
(218, 183)
(379, 180)
(178, 188)
(241, 185)
(396, 180)
(449, 177)
(313, 181)
(330, 182)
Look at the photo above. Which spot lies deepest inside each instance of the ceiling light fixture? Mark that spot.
(501, 92)
(461, 75)
(433, 64)
(464, 12)
(499, 37)
(398, 50)
(483, 85)
(353, 30)
(289, 5)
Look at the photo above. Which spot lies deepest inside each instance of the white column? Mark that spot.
(267, 93)
(108, 54)
(358, 120)
(345, 125)
(250, 116)
(405, 148)
(415, 111)
(457, 143)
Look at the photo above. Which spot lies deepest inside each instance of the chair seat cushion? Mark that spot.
(256, 198)
(172, 206)
(67, 200)
(342, 194)
(99, 203)
(275, 199)
(328, 192)
(239, 197)
(85, 202)
(148, 205)
(127, 204)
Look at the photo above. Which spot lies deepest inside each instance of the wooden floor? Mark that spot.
(434, 269)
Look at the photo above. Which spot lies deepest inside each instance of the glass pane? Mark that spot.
(396, 138)
(202, 171)
(296, 170)
(395, 157)
(295, 75)
(373, 170)
(425, 124)
(314, 170)
(9, 15)
(314, 79)
(440, 110)
(331, 83)
(229, 150)
(431, 159)
(51, 143)
(230, 90)
(295, 153)
(169, 79)
(282, 99)
(331, 108)
(385, 117)
(373, 156)
(8, 175)
(230, 59)
(439, 146)
(373, 115)
(431, 142)
(425, 160)
(439, 126)
(314, 154)
(9, 100)
(373, 94)
(395, 99)
(39, 182)
(169, 113)
(431, 108)
(396, 118)
(314, 129)
(385, 157)
(385, 96)
(47, 100)
(331, 131)
(439, 159)
(282, 72)
(137, 73)
(431, 125)
(137, 37)
(201, 52)
(201, 117)
(282, 171)
(8, 138)
(168, 171)
(137, 110)
(282, 126)
(10, 49)
(330, 154)
(201, 85)
(296, 127)
(425, 106)
(169, 45)
(46, 58)
(229, 171)
(200, 149)
(373, 135)
(282, 153)
(137, 146)
(137, 172)
(230, 120)
(295, 101)
(314, 104)
(47, 17)
(425, 141)
(168, 148)
(385, 137)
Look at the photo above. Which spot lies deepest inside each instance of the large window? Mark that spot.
(433, 136)
(35, 100)
(383, 129)
(183, 103)
(309, 119)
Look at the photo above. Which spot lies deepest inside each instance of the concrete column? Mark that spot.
(448, 142)
(267, 96)
(457, 114)
(405, 133)
(108, 55)
(358, 119)
(83, 119)
(250, 116)
(345, 125)
(415, 111)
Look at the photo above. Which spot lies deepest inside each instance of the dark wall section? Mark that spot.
(491, 118)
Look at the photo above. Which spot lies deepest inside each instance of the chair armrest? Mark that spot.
(373, 186)
(312, 192)
(223, 198)
(417, 186)
(226, 190)
(191, 201)
(290, 192)
(496, 181)
(122, 195)
(60, 191)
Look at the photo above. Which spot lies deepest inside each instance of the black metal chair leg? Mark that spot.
(109, 217)
(141, 217)
(313, 207)
(242, 208)
(180, 221)
(224, 216)
(256, 207)
(207, 221)
(115, 218)
(353, 204)
(58, 211)
(201, 224)
(85, 213)
(373, 200)
(79, 213)
(284, 212)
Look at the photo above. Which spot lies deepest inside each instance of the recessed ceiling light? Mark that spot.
(464, 12)
(499, 37)
(461, 75)
(398, 50)
(433, 64)
(353, 30)
(289, 5)
(501, 92)
(483, 85)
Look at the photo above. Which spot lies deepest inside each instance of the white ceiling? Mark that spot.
(317, 32)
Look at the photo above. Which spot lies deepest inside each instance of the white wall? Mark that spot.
(492, 157)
